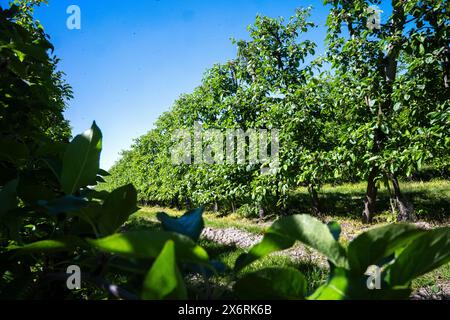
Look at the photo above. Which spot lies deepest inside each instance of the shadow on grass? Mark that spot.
(221, 252)
(428, 205)
(314, 274)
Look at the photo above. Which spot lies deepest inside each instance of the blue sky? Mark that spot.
(132, 59)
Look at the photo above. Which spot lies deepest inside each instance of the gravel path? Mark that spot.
(440, 291)
(231, 237)
(245, 240)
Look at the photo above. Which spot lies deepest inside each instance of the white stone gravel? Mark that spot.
(245, 240)
(232, 237)
(440, 291)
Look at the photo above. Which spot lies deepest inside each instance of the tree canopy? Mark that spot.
(374, 107)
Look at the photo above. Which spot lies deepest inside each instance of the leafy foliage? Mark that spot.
(284, 232)
(33, 94)
(402, 251)
(375, 107)
(385, 107)
(82, 226)
(53, 213)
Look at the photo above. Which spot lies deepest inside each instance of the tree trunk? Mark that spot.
(261, 213)
(371, 197)
(315, 203)
(389, 68)
(405, 208)
(446, 67)
(188, 203)
(391, 196)
(216, 207)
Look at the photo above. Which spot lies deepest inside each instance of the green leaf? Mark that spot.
(81, 160)
(30, 189)
(90, 213)
(335, 229)
(426, 253)
(119, 205)
(8, 197)
(304, 228)
(372, 246)
(147, 244)
(421, 50)
(63, 205)
(313, 233)
(344, 285)
(398, 106)
(21, 55)
(334, 289)
(409, 5)
(103, 173)
(12, 151)
(50, 246)
(94, 194)
(272, 283)
(190, 224)
(11, 12)
(164, 280)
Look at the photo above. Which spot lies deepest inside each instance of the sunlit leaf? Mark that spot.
(81, 160)
(164, 280)
(147, 244)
